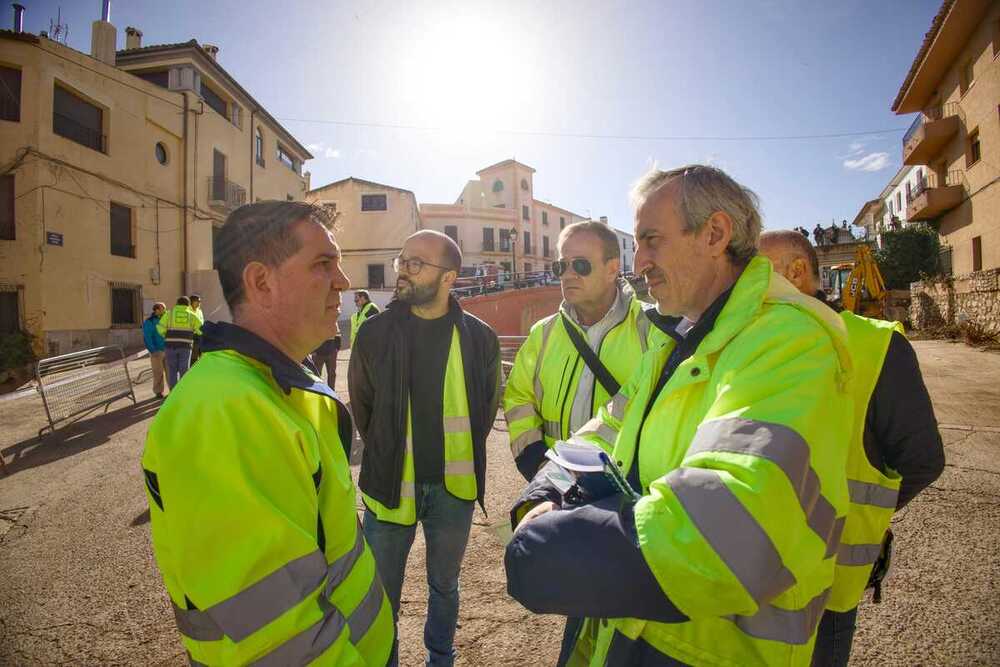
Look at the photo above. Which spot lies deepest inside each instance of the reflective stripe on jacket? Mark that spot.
(546, 374)
(253, 519)
(179, 325)
(459, 467)
(742, 461)
(873, 493)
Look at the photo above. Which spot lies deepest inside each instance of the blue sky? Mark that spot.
(476, 83)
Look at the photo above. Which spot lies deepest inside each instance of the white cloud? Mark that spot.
(332, 153)
(870, 162)
(320, 148)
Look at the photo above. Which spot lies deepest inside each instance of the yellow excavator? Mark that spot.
(859, 286)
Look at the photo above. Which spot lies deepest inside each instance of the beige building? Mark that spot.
(118, 168)
(954, 84)
(373, 220)
(497, 220)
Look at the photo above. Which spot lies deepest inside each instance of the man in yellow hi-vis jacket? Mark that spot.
(252, 505)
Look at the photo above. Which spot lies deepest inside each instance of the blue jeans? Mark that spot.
(178, 362)
(834, 638)
(446, 521)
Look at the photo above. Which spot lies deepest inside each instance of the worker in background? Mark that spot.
(326, 355)
(364, 310)
(156, 347)
(178, 326)
(896, 450)
(575, 361)
(424, 380)
(731, 436)
(196, 309)
(252, 506)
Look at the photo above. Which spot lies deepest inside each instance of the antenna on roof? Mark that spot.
(58, 31)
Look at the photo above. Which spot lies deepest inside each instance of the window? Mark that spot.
(259, 147)
(10, 94)
(488, 239)
(374, 203)
(504, 240)
(121, 231)
(562, 222)
(899, 201)
(524, 184)
(452, 232)
(77, 120)
(545, 246)
(124, 304)
(285, 158)
(909, 191)
(498, 186)
(214, 100)
(376, 276)
(236, 115)
(215, 244)
(7, 227)
(159, 78)
(161, 153)
(10, 316)
(525, 213)
(528, 267)
(968, 77)
(545, 217)
(218, 176)
(527, 243)
(977, 253)
(974, 149)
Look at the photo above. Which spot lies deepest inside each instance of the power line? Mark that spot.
(584, 135)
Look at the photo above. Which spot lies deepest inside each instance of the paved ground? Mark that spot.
(78, 583)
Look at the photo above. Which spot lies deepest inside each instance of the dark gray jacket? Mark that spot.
(378, 384)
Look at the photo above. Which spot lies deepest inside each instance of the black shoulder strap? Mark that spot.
(599, 370)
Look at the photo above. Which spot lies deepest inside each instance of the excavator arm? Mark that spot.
(865, 291)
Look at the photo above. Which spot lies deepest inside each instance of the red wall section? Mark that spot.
(512, 312)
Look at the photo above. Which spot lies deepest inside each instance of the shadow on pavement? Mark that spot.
(141, 519)
(75, 438)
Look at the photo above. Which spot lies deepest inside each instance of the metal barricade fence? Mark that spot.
(73, 384)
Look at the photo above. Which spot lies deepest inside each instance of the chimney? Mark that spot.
(18, 17)
(604, 219)
(133, 38)
(212, 50)
(103, 36)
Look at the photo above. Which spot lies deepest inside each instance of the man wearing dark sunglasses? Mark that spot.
(424, 385)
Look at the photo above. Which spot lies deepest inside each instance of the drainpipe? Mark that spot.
(184, 224)
(253, 151)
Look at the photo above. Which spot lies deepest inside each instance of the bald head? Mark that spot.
(793, 257)
(447, 251)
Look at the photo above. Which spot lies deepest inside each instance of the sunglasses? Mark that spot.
(581, 266)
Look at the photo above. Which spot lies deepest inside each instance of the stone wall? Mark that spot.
(973, 297)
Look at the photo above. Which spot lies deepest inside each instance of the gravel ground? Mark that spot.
(78, 583)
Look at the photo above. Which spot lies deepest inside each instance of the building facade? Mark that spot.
(373, 221)
(889, 210)
(497, 220)
(119, 167)
(627, 243)
(954, 85)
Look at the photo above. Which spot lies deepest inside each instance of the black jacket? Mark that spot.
(378, 382)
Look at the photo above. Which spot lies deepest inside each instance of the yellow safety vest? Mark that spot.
(179, 325)
(257, 538)
(873, 493)
(459, 464)
(358, 318)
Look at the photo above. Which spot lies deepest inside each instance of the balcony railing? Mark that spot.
(225, 195)
(489, 246)
(932, 198)
(73, 130)
(927, 135)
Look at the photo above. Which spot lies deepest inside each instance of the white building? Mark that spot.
(889, 208)
(627, 243)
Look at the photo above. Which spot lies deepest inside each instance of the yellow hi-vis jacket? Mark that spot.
(545, 378)
(358, 318)
(873, 493)
(179, 325)
(253, 516)
(742, 461)
(459, 464)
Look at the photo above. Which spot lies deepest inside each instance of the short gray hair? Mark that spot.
(706, 190)
(604, 233)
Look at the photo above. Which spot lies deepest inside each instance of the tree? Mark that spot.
(907, 255)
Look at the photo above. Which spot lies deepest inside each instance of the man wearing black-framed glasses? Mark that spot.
(424, 386)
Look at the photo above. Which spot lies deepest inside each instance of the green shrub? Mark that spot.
(908, 255)
(15, 350)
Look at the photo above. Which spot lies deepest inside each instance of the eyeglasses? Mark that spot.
(581, 266)
(414, 265)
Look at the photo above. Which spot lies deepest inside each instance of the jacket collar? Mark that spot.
(217, 336)
(619, 309)
(400, 310)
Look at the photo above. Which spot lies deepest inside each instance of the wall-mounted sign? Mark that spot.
(54, 238)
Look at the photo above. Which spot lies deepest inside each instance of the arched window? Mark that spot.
(259, 146)
(524, 184)
(498, 186)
